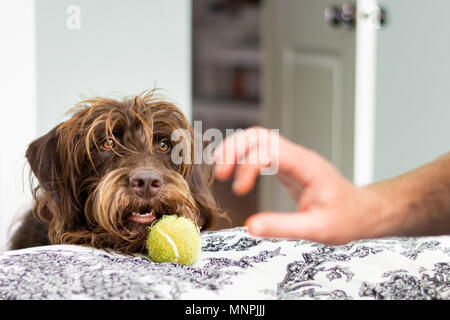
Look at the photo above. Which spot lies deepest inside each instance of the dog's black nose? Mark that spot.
(146, 183)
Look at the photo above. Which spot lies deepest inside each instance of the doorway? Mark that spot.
(227, 61)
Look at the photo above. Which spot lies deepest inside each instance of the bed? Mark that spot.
(235, 265)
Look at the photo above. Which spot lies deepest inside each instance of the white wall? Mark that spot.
(412, 114)
(121, 48)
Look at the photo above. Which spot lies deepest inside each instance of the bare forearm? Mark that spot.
(330, 209)
(414, 204)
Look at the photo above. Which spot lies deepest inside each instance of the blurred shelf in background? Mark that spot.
(226, 81)
(226, 114)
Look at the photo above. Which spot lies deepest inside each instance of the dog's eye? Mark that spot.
(163, 146)
(108, 144)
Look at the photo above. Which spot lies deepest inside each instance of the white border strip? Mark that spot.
(18, 97)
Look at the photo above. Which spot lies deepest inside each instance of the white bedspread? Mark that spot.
(234, 265)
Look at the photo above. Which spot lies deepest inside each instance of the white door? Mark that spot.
(309, 85)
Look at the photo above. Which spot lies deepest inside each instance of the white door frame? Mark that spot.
(364, 140)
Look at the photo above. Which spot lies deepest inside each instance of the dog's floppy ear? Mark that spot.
(44, 161)
(51, 160)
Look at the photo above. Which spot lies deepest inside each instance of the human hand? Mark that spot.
(330, 209)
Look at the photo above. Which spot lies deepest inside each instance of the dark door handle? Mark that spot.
(346, 16)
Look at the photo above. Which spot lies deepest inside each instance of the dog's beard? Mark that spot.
(110, 207)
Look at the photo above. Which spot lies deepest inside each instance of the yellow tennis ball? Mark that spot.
(174, 239)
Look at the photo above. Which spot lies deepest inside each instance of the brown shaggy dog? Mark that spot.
(106, 174)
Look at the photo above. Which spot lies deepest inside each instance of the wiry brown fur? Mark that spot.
(83, 194)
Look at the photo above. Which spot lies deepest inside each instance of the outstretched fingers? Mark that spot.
(254, 145)
(250, 151)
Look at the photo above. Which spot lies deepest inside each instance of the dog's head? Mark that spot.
(107, 173)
